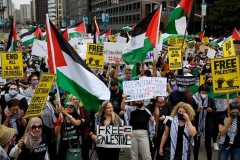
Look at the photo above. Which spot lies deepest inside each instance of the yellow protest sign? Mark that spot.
(228, 48)
(177, 42)
(12, 65)
(175, 58)
(225, 74)
(205, 40)
(172, 41)
(95, 56)
(113, 38)
(39, 98)
(202, 79)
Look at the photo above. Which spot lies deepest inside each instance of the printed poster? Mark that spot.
(228, 48)
(175, 58)
(95, 56)
(113, 52)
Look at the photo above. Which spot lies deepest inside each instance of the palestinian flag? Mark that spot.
(77, 30)
(65, 34)
(96, 35)
(177, 22)
(12, 38)
(44, 37)
(73, 75)
(29, 37)
(127, 129)
(128, 28)
(143, 39)
(235, 34)
(107, 34)
(200, 35)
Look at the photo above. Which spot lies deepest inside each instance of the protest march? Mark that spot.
(155, 95)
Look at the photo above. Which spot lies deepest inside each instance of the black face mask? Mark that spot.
(114, 91)
(209, 83)
(180, 116)
(139, 105)
(233, 115)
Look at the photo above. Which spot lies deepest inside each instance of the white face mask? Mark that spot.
(203, 96)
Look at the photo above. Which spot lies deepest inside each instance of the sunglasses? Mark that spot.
(35, 127)
(69, 106)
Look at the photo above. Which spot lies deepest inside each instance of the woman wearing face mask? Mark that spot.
(230, 134)
(36, 68)
(185, 70)
(181, 128)
(33, 81)
(143, 126)
(206, 70)
(14, 117)
(162, 110)
(173, 84)
(204, 107)
(34, 145)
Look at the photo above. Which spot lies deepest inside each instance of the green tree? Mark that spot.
(225, 15)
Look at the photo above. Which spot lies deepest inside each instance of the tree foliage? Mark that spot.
(225, 15)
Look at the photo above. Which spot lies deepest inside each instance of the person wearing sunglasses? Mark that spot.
(68, 125)
(176, 145)
(34, 145)
(230, 134)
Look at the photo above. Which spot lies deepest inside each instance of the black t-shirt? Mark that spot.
(139, 119)
(38, 152)
(116, 100)
(175, 97)
(166, 111)
(236, 143)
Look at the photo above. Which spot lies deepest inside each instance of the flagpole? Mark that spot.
(187, 24)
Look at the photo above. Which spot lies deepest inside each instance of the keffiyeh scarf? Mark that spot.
(232, 132)
(13, 119)
(173, 136)
(202, 114)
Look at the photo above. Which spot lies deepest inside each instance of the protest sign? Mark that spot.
(113, 52)
(138, 90)
(185, 80)
(189, 52)
(237, 49)
(95, 56)
(203, 49)
(211, 53)
(175, 58)
(12, 65)
(160, 84)
(225, 74)
(149, 56)
(82, 41)
(82, 50)
(121, 39)
(39, 48)
(205, 40)
(195, 71)
(228, 48)
(114, 136)
(39, 98)
(202, 79)
(113, 39)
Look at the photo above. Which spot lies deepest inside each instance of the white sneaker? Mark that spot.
(215, 146)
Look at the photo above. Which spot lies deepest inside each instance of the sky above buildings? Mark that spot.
(18, 2)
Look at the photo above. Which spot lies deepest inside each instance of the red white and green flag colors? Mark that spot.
(12, 38)
(128, 28)
(107, 34)
(144, 38)
(73, 75)
(177, 22)
(77, 30)
(200, 35)
(29, 37)
(235, 34)
(96, 36)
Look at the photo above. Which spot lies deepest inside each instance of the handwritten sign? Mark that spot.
(175, 58)
(39, 48)
(95, 56)
(225, 74)
(39, 98)
(211, 53)
(228, 48)
(12, 65)
(183, 81)
(114, 137)
(149, 56)
(113, 52)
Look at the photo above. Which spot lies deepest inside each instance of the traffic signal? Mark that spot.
(164, 5)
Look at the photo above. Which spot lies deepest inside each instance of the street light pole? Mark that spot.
(202, 21)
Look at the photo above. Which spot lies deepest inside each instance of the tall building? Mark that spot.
(77, 10)
(25, 13)
(52, 10)
(61, 18)
(17, 15)
(39, 9)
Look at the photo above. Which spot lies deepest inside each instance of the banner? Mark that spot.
(12, 65)
(114, 137)
(211, 53)
(175, 58)
(138, 90)
(160, 84)
(113, 52)
(228, 48)
(205, 41)
(183, 81)
(95, 56)
(39, 48)
(225, 74)
(39, 98)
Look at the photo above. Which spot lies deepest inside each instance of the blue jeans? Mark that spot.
(224, 153)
